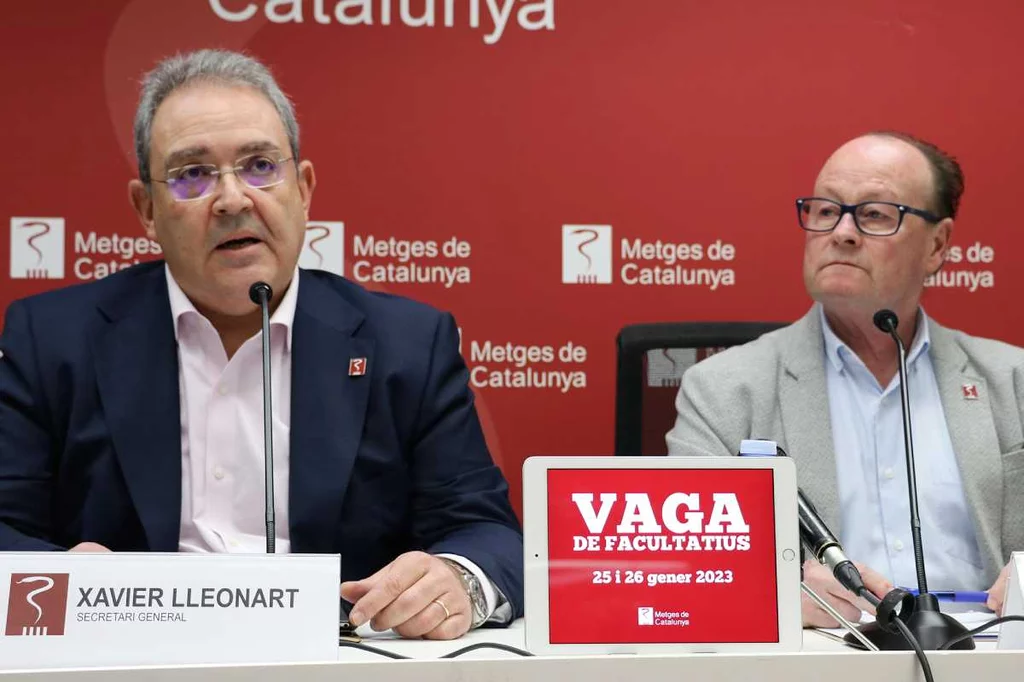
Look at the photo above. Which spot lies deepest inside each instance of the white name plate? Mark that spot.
(1011, 635)
(59, 609)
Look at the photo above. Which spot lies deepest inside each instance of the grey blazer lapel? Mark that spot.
(806, 421)
(975, 441)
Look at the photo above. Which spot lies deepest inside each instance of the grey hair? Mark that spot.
(217, 66)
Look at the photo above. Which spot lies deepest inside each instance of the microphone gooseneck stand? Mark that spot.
(261, 293)
(919, 613)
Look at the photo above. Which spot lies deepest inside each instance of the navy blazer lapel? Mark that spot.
(328, 411)
(137, 376)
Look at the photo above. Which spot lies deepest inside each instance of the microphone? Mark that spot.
(920, 613)
(815, 535)
(826, 548)
(814, 532)
(261, 293)
(886, 321)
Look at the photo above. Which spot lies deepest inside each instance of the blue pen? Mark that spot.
(954, 595)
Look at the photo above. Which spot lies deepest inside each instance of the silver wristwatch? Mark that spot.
(473, 588)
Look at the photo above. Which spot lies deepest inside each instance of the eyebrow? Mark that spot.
(254, 147)
(180, 156)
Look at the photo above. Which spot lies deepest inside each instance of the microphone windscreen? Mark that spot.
(258, 290)
(886, 320)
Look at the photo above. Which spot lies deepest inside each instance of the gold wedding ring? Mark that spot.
(447, 613)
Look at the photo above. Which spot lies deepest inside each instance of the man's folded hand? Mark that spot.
(416, 595)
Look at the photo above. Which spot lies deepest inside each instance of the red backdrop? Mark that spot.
(679, 121)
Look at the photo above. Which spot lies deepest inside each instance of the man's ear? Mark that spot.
(142, 201)
(939, 241)
(307, 183)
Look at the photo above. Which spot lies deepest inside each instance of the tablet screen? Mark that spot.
(661, 555)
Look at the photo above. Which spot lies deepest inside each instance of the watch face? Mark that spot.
(476, 595)
(474, 590)
(476, 598)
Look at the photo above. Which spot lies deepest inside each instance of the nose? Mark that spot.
(230, 196)
(846, 231)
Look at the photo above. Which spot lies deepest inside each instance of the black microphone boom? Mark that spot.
(921, 615)
(261, 293)
(826, 548)
(887, 321)
(816, 536)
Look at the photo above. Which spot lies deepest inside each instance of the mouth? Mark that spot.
(849, 265)
(238, 244)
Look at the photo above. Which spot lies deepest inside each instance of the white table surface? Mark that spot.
(821, 658)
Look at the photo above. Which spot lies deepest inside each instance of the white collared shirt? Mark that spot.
(222, 458)
(867, 433)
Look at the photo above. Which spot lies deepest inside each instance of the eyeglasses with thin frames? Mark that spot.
(874, 218)
(196, 181)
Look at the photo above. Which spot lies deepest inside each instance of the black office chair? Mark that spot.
(651, 362)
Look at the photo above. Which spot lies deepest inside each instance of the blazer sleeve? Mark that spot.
(26, 457)
(460, 499)
(704, 418)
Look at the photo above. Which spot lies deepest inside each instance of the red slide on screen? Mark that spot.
(661, 556)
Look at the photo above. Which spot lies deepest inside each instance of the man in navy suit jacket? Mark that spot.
(387, 467)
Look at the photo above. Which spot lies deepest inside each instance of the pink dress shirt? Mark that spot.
(222, 471)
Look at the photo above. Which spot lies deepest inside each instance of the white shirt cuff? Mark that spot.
(498, 608)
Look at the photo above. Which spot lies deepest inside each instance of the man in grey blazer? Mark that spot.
(827, 387)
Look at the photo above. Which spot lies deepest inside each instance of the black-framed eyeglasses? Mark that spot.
(198, 180)
(875, 218)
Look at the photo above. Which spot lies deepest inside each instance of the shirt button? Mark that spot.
(898, 545)
(218, 473)
(888, 473)
(233, 543)
(222, 389)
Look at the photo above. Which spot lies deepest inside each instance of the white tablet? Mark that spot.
(661, 554)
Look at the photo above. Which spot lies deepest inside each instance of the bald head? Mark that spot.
(947, 178)
(854, 273)
(878, 167)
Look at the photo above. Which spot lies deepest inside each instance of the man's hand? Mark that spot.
(821, 580)
(997, 593)
(88, 547)
(403, 596)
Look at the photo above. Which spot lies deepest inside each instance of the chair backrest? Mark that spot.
(651, 362)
